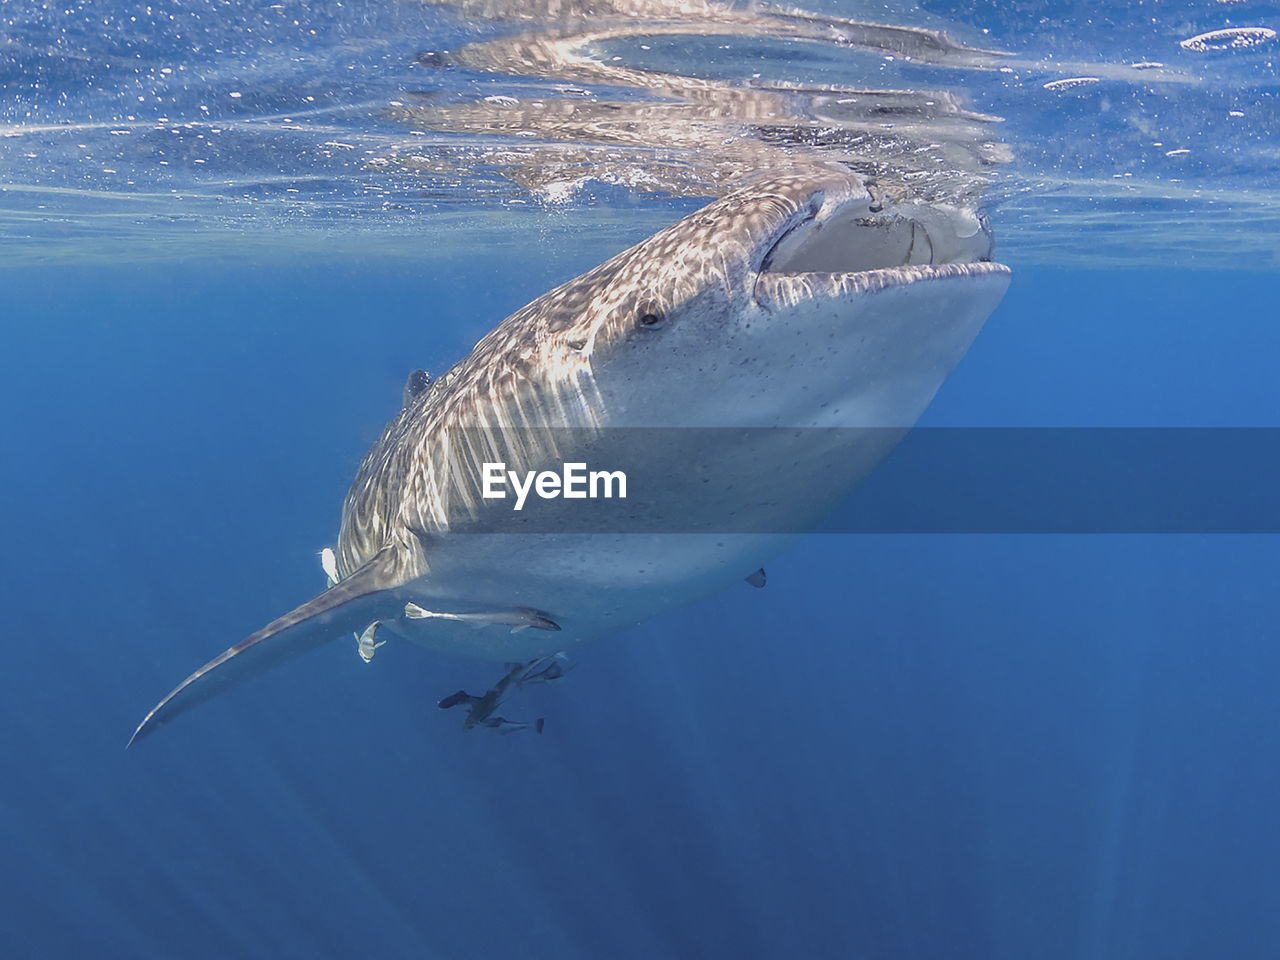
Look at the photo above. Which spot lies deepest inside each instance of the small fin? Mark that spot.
(319, 620)
(538, 725)
(756, 579)
(418, 381)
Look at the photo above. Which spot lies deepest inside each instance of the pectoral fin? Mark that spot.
(348, 605)
(756, 579)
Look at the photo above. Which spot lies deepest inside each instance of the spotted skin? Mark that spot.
(539, 360)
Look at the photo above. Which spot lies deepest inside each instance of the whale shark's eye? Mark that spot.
(650, 320)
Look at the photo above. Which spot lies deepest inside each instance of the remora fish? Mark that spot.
(520, 618)
(796, 301)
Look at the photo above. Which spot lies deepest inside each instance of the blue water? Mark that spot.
(221, 252)
(904, 747)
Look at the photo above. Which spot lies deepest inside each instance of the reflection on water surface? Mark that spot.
(1118, 136)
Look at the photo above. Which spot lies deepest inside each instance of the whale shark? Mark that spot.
(799, 302)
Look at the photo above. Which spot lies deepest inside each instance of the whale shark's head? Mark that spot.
(799, 300)
(769, 305)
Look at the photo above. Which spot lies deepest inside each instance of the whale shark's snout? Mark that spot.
(788, 296)
(848, 230)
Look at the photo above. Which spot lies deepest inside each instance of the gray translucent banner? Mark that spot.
(930, 480)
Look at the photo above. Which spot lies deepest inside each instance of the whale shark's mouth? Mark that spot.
(854, 234)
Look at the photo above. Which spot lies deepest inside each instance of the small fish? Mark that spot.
(365, 645)
(330, 563)
(480, 709)
(518, 618)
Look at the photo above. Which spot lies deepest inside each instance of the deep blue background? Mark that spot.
(904, 747)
